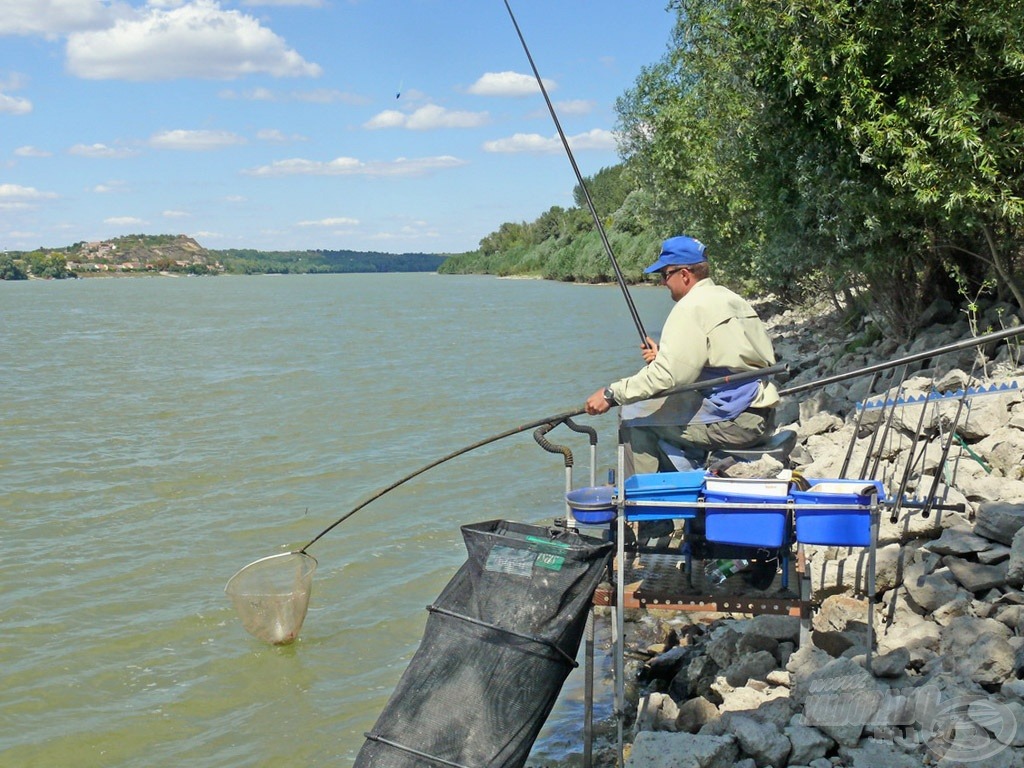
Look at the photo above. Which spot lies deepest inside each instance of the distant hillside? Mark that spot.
(142, 254)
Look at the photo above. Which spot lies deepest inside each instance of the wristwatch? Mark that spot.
(609, 396)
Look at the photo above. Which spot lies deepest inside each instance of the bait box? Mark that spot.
(836, 512)
(657, 494)
(746, 512)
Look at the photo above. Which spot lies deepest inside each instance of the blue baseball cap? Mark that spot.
(681, 250)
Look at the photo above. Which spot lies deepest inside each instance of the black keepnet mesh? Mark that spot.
(499, 642)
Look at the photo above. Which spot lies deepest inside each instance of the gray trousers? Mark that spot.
(695, 440)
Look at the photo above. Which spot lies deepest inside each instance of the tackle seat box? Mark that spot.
(759, 517)
(649, 489)
(820, 518)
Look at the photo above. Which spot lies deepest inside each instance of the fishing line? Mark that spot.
(271, 595)
(579, 178)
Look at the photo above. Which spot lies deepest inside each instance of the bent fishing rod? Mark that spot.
(579, 178)
(553, 421)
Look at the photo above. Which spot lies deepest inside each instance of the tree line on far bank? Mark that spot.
(872, 152)
(140, 254)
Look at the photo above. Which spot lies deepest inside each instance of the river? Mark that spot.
(159, 433)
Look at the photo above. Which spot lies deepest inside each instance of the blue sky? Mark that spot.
(278, 124)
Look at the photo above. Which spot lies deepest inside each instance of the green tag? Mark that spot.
(551, 562)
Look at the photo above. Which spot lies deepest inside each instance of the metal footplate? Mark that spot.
(660, 581)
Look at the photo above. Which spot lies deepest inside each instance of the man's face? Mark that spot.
(678, 279)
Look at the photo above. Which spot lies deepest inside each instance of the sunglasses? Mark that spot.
(667, 274)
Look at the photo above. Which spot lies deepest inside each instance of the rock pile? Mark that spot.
(942, 682)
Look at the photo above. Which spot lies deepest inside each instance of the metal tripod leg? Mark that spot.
(620, 591)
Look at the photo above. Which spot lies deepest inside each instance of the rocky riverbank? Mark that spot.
(942, 683)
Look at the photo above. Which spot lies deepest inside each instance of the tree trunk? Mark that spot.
(1000, 267)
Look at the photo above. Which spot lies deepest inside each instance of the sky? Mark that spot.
(370, 125)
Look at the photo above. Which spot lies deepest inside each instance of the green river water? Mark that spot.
(156, 434)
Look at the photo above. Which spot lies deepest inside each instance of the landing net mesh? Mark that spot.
(271, 595)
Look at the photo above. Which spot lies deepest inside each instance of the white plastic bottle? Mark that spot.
(717, 571)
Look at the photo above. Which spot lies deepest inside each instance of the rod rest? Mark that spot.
(779, 446)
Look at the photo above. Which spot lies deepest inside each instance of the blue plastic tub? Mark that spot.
(649, 489)
(821, 520)
(592, 506)
(758, 520)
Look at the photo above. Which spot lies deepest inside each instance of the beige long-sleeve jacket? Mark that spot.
(710, 331)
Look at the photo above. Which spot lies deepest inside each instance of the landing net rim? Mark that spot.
(309, 564)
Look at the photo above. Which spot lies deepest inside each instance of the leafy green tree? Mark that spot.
(868, 143)
(608, 188)
(9, 270)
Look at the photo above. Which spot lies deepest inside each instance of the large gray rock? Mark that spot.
(987, 416)
(927, 591)
(762, 741)
(875, 753)
(892, 664)
(693, 714)
(656, 712)
(975, 577)
(807, 744)
(1003, 450)
(781, 628)
(751, 665)
(839, 613)
(978, 649)
(654, 749)
(958, 541)
(1015, 567)
(839, 699)
(722, 646)
(999, 520)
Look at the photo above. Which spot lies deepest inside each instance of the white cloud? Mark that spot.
(195, 140)
(125, 221)
(349, 166)
(18, 193)
(416, 230)
(101, 150)
(534, 142)
(52, 18)
(309, 3)
(13, 105)
(328, 96)
(175, 214)
(198, 39)
(574, 107)
(314, 96)
(389, 118)
(273, 134)
(509, 84)
(253, 94)
(337, 221)
(29, 151)
(427, 118)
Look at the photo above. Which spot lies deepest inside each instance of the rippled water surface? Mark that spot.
(158, 434)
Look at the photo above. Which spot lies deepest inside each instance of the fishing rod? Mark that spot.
(966, 343)
(579, 178)
(553, 421)
(271, 594)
